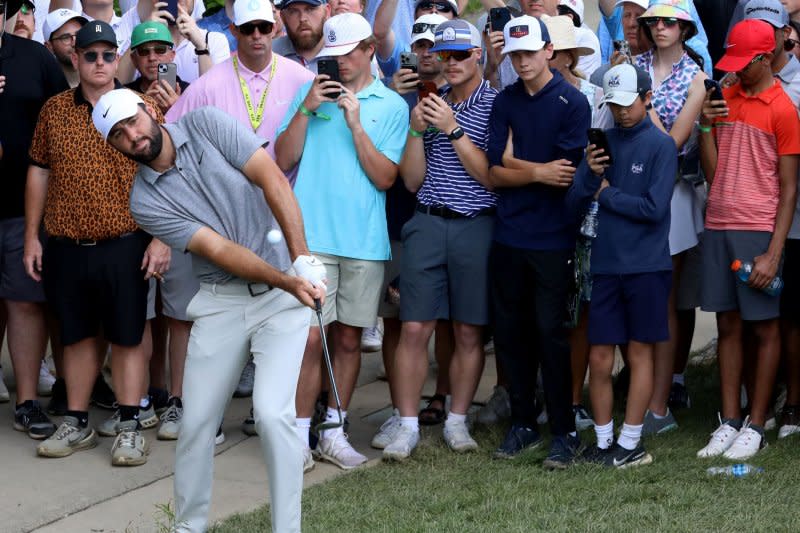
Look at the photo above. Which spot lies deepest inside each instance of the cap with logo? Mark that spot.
(622, 84)
(112, 107)
(245, 11)
(150, 31)
(576, 6)
(676, 9)
(771, 11)
(452, 3)
(641, 3)
(525, 33)
(342, 33)
(749, 38)
(456, 34)
(59, 17)
(562, 35)
(95, 31)
(286, 3)
(426, 24)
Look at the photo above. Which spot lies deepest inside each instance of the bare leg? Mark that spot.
(640, 357)
(53, 329)
(769, 354)
(27, 342)
(309, 383)
(411, 365)
(391, 337)
(158, 361)
(729, 327)
(466, 366)
(601, 363)
(82, 363)
(347, 347)
(579, 355)
(129, 369)
(443, 351)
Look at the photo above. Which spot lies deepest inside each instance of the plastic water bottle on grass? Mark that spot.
(737, 470)
(743, 269)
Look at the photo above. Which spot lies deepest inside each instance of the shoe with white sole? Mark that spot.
(219, 438)
(110, 426)
(403, 444)
(336, 449)
(721, 439)
(747, 443)
(130, 448)
(790, 421)
(583, 420)
(68, 438)
(371, 339)
(457, 437)
(387, 433)
(46, 380)
(308, 460)
(171, 420)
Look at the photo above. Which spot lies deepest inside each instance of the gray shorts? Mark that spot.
(391, 270)
(444, 270)
(15, 284)
(721, 290)
(177, 290)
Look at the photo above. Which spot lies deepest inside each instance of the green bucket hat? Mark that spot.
(150, 31)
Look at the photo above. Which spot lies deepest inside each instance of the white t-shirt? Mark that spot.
(586, 37)
(187, 60)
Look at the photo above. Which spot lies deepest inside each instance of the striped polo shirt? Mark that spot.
(446, 181)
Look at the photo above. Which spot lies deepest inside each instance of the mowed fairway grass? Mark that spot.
(437, 490)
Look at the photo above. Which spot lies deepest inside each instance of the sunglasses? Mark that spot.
(440, 7)
(248, 28)
(422, 27)
(108, 56)
(64, 38)
(789, 44)
(159, 49)
(459, 55)
(668, 22)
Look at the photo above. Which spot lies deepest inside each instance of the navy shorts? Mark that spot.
(629, 307)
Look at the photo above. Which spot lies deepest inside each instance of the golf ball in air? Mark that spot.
(274, 236)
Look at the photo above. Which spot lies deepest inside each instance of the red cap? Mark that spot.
(747, 39)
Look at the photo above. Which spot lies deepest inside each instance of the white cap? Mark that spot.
(56, 19)
(245, 11)
(434, 19)
(342, 33)
(622, 84)
(574, 5)
(525, 33)
(644, 4)
(112, 107)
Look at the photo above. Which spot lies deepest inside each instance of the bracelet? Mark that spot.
(415, 133)
(705, 129)
(313, 114)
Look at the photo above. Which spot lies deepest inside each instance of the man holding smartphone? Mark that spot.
(347, 149)
(151, 46)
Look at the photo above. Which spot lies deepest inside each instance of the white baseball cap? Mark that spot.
(112, 107)
(644, 4)
(245, 11)
(525, 33)
(342, 33)
(427, 23)
(622, 84)
(59, 17)
(575, 5)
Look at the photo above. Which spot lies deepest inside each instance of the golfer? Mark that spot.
(200, 187)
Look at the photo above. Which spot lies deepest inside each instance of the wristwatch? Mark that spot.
(202, 52)
(456, 134)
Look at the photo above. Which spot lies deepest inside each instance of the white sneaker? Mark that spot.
(170, 421)
(747, 443)
(387, 433)
(371, 339)
(46, 380)
(457, 437)
(4, 395)
(337, 450)
(308, 460)
(790, 421)
(721, 439)
(219, 438)
(403, 444)
(497, 407)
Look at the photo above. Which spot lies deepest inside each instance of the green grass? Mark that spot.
(437, 490)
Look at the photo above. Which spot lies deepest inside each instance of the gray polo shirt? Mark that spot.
(206, 188)
(283, 47)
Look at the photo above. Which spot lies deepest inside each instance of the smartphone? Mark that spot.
(426, 88)
(409, 60)
(713, 84)
(172, 9)
(624, 48)
(330, 66)
(498, 18)
(169, 73)
(598, 138)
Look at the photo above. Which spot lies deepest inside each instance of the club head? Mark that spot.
(330, 424)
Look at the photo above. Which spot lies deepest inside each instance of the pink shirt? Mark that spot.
(220, 88)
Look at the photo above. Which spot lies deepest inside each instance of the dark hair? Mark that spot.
(687, 32)
(795, 25)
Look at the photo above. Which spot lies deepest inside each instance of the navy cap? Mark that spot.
(95, 31)
(285, 3)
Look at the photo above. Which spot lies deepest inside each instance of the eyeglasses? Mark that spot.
(440, 7)
(159, 49)
(248, 28)
(789, 44)
(64, 38)
(459, 55)
(108, 56)
(422, 27)
(668, 22)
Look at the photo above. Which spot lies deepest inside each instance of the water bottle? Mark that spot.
(742, 269)
(589, 224)
(737, 470)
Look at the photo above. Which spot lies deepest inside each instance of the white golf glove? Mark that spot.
(311, 269)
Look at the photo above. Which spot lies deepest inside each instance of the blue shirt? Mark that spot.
(546, 126)
(447, 182)
(219, 22)
(343, 211)
(401, 26)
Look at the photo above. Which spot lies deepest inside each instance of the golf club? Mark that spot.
(325, 424)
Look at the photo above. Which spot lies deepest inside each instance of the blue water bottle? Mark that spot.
(743, 269)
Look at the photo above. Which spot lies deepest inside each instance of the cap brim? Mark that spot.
(425, 36)
(623, 98)
(12, 6)
(339, 50)
(732, 63)
(520, 47)
(454, 47)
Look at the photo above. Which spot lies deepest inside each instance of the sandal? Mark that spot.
(432, 416)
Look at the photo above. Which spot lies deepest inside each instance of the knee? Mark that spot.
(729, 325)
(767, 330)
(415, 333)
(30, 310)
(348, 340)
(600, 358)
(468, 336)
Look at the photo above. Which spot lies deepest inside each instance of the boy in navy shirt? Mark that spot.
(631, 265)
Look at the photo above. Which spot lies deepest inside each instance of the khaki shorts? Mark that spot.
(354, 290)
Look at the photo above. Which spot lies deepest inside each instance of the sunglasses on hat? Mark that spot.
(108, 56)
(248, 28)
(441, 7)
(459, 55)
(669, 22)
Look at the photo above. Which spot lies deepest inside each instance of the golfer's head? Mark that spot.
(128, 124)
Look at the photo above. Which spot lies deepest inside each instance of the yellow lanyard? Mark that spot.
(256, 115)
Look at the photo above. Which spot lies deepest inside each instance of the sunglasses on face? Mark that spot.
(159, 49)
(789, 44)
(67, 37)
(668, 22)
(422, 27)
(440, 7)
(459, 55)
(248, 28)
(108, 56)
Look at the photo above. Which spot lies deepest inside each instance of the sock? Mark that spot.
(129, 412)
(678, 378)
(144, 403)
(410, 422)
(605, 435)
(660, 417)
(82, 416)
(735, 423)
(333, 416)
(573, 434)
(176, 400)
(453, 418)
(302, 427)
(759, 429)
(630, 436)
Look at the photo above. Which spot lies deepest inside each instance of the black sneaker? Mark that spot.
(57, 406)
(102, 395)
(249, 425)
(679, 397)
(159, 398)
(31, 419)
(595, 455)
(518, 439)
(563, 452)
(619, 457)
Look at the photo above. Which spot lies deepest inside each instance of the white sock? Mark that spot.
(678, 378)
(144, 402)
(396, 412)
(302, 427)
(630, 436)
(411, 422)
(660, 417)
(453, 418)
(605, 435)
(332, 415)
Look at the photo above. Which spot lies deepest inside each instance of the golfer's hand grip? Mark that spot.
(318, 305)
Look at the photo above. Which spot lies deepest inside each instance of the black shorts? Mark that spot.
(790, 296)
(99, 288)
